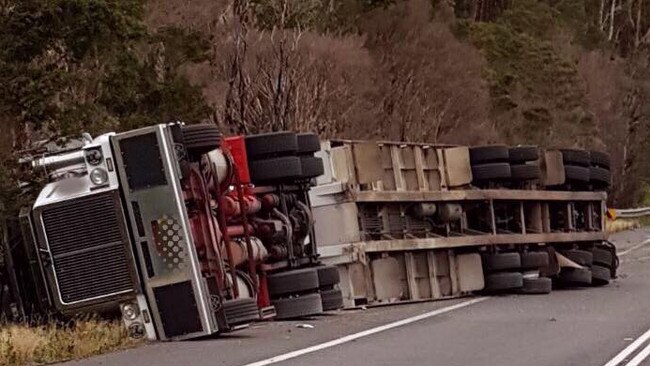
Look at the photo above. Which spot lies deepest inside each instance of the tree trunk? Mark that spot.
(637, 37)
(612, 12)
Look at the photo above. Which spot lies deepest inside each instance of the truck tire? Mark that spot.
(600, 275)
(287, 168)
(575, 276)
(581, 257)
(312, 167)
(534, 260)
(577, 173)
(298, 307)
(600, 159)
(525, 172)
(491, 171)
(599, 176)
(602, 257)
(331, 299)
(501, 261)
(541, 285)
(241, 311)
(271, 145)
(308, 143)
(201, 138)
(292, 282)
(576, 157)
(503, 281)
(523, 154)
(328, 276)
(488, 154)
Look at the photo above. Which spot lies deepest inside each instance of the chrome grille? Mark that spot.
(88, 247)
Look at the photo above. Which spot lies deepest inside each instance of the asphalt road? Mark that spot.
(580, 327)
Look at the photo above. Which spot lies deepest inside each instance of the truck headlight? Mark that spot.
(94, 156)
(130, 311)
(137, 330)
(98, 176)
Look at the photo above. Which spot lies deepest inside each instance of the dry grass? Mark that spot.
(622, 225)
(23, 345)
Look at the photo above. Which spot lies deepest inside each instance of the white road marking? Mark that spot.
(629, 349)
(637, 246)
(637, 259)
(365, 333)
(636, 361)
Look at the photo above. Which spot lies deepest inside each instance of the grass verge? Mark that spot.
(24, 345)
(622, 225)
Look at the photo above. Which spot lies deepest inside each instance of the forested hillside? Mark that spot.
(550, 72)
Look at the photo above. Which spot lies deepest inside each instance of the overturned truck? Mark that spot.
(408, 221)
(188, 233)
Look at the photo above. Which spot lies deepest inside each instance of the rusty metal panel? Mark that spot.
(409, 170)
(552, 168)
(388, 182)
(417, 272)
(458, 170)
(336, 224)
(470, 272)
(342, 164)
(431, 169)
(421, 274)
(354, 283)
(389, 278)
(367, 162)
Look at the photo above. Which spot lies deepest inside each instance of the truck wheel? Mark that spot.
(541, 285)
(526, 172)
(241, 311)
(575, 276)
(523, 154)
(488, 154)
(491, 171)
(581, 257)
(201, 139)
(576, 157)
(308, 143)
(577, 173)
(600, 159)
(599, 177)
(271, 144)
(275, 169)
(501, 261)
(534, 260)
(312, 167)
(600, 275)
(297, 307)
(291, 282)
(328, 276)
(602, 257)
(332, 299)
(503, 281)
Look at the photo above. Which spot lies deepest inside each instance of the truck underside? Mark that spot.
(189, 233)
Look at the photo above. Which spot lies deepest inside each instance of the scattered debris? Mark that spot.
(305, 326)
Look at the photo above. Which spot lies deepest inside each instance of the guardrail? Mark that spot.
(632, 212)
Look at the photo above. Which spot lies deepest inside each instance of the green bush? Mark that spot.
(68, 66)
